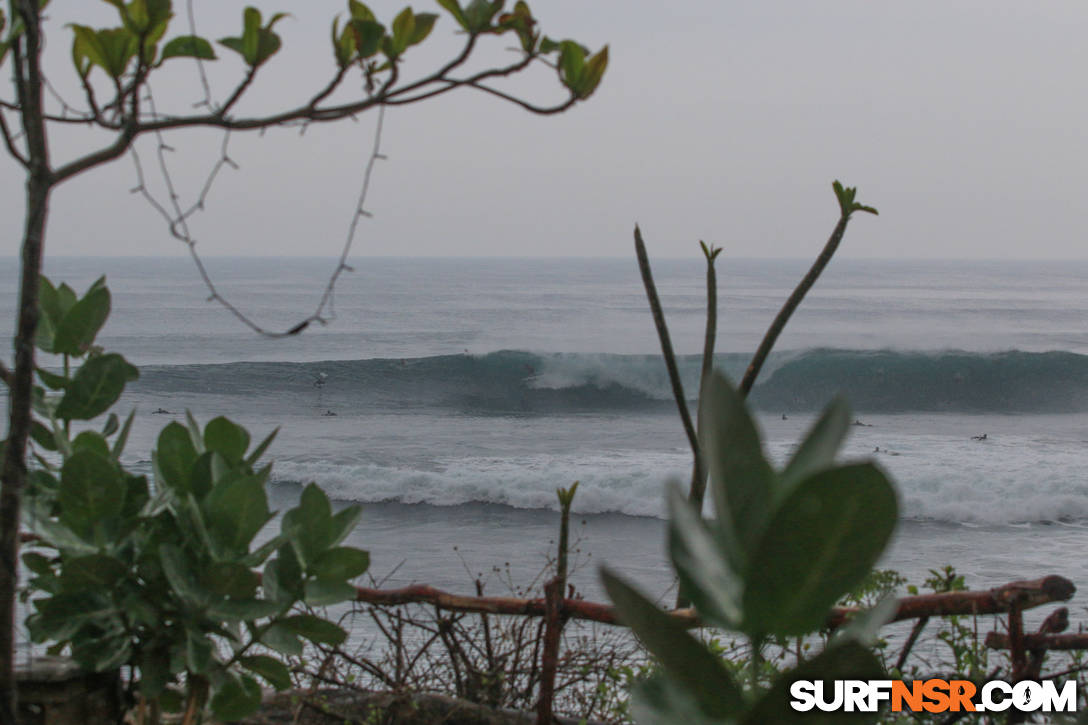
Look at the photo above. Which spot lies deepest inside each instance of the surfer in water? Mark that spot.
(162, 411)
(979, 438)
(857, 422)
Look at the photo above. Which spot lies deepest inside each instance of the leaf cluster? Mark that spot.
(785, 546)
(165, 575)
(144, 23)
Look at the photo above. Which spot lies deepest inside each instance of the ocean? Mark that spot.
(453, 396)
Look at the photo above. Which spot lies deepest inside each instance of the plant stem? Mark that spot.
(698, 473)
(791, 305)
(667, 353)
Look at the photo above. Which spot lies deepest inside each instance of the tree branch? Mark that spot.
(9, 141)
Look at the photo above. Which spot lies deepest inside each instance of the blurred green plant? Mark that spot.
(785, 546)
(164, 575)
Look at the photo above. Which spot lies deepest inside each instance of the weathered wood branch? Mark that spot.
(1000, 640)
(1022, 594)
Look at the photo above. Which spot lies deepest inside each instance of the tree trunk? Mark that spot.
(25, 51)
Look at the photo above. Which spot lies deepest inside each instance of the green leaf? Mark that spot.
(844, 662)
(251, 22)
(235, 511)
(91, 491)
(93, 441)
(154, 671)
(188, 46)
(112, 424)
(821, 542)
(270, 668)
(43, 436)
(343, 522)
(179, 574)
(45, 335)
(122, 438)
(66, 299)
(424, 24)
(572, 61)
(322, 592)
(237, 697)
(195, 435)
(658, 701)
(315, 629)
(817, 451)
(49, 301)
(343, 43)
(246, 610)
(95, 573)
(479, 13)
(688, 663)
(706, 577)
(341, 564)
(454, 9)
(282, 639)
(307, 525)
(37, 563)
(283, 577)
(78, 328)
(230, 579)
(87, 52)
(592, 74)
(368, 36)
(261, 447)
(547, 45)
(404, 27)
(95, 387)
(846, 196)
(136, 496)
(174, 457)
(234, 44)
(741, 480)
(116, 47)
(229, 439)
(360, 11)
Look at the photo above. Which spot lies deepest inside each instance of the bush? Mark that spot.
(163, 575)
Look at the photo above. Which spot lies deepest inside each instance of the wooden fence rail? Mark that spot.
(1015, 595)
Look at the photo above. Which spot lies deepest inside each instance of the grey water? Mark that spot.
(453, 396)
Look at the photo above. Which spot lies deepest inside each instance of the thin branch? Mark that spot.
(328, 90)
(540, 110)
(9, 141)
(177, 222)
(199, 62)
(237, 94)
(791, 304)
(666, 346)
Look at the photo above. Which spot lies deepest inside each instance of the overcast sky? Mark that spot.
(964, 122)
